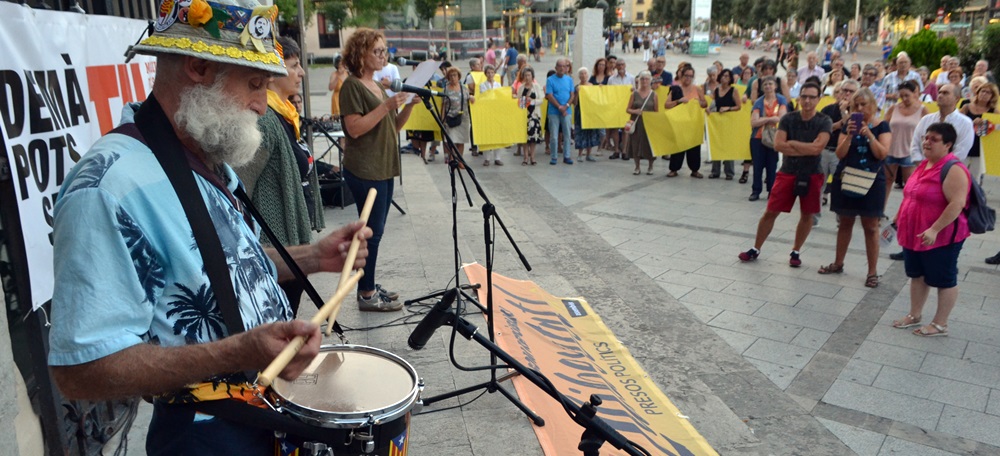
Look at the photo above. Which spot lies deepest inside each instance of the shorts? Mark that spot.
(905, 161)
(938, 266)
(782, 196)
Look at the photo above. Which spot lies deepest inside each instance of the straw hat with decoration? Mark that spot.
(237, 32)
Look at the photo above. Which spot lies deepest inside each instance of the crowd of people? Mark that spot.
(849, 155)
(182, 322)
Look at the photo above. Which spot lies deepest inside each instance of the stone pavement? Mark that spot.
(763, 358)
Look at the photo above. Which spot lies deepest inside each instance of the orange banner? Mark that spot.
(567, 342)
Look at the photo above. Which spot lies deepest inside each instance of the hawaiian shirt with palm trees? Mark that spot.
(127, 269)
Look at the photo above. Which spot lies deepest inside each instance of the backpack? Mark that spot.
(982, 218)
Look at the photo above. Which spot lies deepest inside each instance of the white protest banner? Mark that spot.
(63, 83)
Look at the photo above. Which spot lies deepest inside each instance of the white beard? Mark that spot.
(226, 132)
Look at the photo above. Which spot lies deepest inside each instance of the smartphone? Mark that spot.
(857, 118)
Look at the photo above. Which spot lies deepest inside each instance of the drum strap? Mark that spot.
(155, 129)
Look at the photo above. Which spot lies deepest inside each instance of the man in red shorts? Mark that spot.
(801, 137)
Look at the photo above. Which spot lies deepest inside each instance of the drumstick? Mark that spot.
(268, 375)
(352, 252)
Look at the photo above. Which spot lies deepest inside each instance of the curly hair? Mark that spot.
(358, 45)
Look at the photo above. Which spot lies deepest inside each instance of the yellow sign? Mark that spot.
(729, 134)
(991, 146)
(421, 119)
(604, 106)
(740, 89)
(478, 77)
(824, 102)
(675, 130)
(570, 345)
(496, 119)
(932, 107)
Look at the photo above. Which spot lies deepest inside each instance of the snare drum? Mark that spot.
(363, 395)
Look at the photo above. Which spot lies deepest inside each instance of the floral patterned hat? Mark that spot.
(237, 32)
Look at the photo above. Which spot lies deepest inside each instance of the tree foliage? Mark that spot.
(335, 11)
(991, 47)
(915, 8)
(755, 13)
(926, 49)
(426, 9)
(357, 13)
(289, 10)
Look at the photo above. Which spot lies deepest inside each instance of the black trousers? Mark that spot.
(693, 159)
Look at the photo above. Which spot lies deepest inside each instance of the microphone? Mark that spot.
(398, 86)
(438, 316)
(404, 62)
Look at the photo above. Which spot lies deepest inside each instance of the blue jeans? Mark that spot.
(764, 159)
(376, 220)
(559, 123)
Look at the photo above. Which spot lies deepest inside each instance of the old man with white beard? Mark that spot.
(134, 311)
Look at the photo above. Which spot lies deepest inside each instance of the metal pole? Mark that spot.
(823, 27)
(482, 4)
(303, 59)
(857, 19)
(447, 34)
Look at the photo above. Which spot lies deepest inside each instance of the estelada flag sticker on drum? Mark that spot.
(398, 446)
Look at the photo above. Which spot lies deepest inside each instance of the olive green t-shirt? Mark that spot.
(373, 155)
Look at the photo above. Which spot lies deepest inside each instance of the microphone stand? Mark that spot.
(596, 431)
(310, 124)
(489, 212)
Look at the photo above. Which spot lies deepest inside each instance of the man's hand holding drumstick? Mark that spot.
(329, 252)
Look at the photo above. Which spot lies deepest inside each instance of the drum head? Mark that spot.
(350, 380)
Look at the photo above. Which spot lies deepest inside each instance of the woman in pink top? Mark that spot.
(903, 118)
(932, 229)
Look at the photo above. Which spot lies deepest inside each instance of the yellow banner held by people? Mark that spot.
(729, 134)
(571, 346)
(675, 130)
(478, 77)
(497, 119)
(604, 106)
(422, 120)
(991, 146)
(824, 102)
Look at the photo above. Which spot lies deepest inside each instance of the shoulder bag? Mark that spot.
(630, 125)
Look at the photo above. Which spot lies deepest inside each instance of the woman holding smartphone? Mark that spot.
(863, 146)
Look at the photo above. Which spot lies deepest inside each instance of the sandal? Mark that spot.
(672, 174)
(906, 322)
(832, 268)
(872, 281)
(926, 331)
(524, 163)
(636, 172)
(744, 176)
(649, 172)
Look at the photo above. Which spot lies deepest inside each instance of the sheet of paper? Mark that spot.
(421, 75)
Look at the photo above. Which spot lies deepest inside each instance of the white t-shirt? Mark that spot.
(962, 124)
(486, 86)
(628, 79)
(388, 71)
